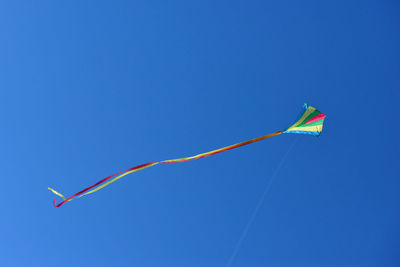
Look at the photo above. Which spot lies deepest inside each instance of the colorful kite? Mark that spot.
(310, 121)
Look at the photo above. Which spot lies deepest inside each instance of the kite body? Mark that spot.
(310, 121)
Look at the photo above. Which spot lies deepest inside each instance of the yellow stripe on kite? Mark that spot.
(317, 128)
(305, 115)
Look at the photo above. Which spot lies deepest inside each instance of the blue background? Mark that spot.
(89, 88)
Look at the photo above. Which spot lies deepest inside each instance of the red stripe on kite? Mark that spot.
(316, 118)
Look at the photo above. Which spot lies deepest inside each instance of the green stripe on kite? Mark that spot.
(312, 115)
(315, 123)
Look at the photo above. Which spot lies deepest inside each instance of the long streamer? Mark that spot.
(112, 178)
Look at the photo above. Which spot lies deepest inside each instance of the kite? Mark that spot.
(309, 121)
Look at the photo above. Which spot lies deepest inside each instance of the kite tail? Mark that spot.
(112, 178)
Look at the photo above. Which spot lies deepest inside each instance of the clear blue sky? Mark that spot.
(89, 88)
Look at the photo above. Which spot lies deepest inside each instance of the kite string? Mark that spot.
(259, 204)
